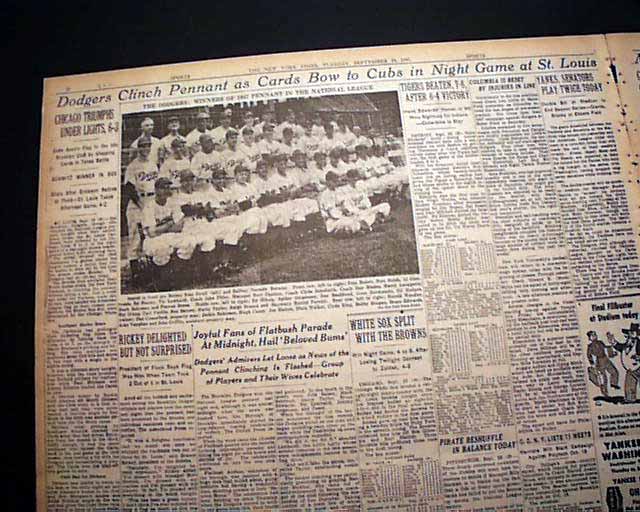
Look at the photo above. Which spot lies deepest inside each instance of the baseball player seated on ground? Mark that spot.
(161, 217)
(355, 191)
(347, 208)
(337, 217)
(246, 188)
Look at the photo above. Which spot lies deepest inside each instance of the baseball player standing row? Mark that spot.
(224, 159)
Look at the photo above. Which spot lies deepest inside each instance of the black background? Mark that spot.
(58, 38)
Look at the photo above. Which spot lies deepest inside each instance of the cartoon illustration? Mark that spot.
(630, 359)
(604, 373)
(602, 368)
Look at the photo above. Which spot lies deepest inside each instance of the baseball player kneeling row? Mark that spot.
(219, 196)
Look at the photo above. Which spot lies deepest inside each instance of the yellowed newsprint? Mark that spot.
(400, 278)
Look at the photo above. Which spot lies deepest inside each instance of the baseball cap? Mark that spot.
(162, 183)
(186, 174)
(240, 168)
(144, 142)
(331, 176)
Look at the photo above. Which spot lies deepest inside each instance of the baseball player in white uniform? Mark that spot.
(317, 128)
(249, 121)
(193, 138)
(289, 122)
(249, 148)
(177, 161)
(231, 155)
(206, 162)
(160, 218)
(165, 142)
(308, 143)
(138, 189)
(288, 145)
(146, 127)
(344, 135)
(268, 146)
(219, 134)
(267, 119)
(360, 138)
(329, 141)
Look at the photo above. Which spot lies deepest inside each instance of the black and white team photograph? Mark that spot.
(302, 189)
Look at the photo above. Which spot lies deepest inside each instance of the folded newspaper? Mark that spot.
(374, 279)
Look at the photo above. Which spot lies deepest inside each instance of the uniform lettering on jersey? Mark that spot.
(147, 176)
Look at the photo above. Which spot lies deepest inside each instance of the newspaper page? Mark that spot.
(390, 278)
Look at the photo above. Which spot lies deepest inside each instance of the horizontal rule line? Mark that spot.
(271, 321)
(274, 385)
(334, 84)
(378, 311)
(241, 75)
(605, 297)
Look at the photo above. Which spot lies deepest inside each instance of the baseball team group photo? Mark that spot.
(266, 192)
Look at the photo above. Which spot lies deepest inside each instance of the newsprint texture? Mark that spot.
(399, 278)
